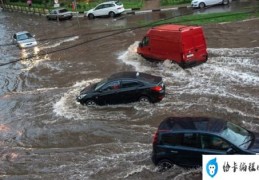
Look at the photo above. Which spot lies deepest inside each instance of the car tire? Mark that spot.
(112, 14)
(144, 99)
(48, 18)
(202, 5)
(90, 16)
(90, 103)
(225, 2)
(164, 165)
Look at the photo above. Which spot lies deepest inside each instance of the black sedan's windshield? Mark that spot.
(100, 84)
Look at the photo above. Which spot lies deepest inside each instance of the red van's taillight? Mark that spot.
(156, 88)
(155, 138)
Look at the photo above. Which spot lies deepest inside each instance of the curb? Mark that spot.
(136, 11)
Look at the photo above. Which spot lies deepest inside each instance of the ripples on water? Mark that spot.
(62, 138)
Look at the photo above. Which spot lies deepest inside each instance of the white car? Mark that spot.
(111, 8)
(24, 39)
(204, 3)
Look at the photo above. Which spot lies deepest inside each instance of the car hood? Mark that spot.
(27, 40)
(88, 89)
(89, 11)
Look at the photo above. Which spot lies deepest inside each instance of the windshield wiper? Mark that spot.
(251, 138)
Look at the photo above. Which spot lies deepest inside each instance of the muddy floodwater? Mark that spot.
(46, 134)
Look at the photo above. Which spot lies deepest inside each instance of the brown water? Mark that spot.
(45, 134)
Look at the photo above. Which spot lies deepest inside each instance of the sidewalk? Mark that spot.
(153, 6)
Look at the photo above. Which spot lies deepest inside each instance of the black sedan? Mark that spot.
(124, 87)
(183, 140)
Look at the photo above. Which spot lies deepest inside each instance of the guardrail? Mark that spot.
(25, 9)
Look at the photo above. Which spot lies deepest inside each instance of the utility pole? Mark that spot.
(2, 3)
(75, 6)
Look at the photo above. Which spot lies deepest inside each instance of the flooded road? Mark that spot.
(46, 134)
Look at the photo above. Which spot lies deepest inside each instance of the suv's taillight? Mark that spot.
(156, 88)
(155, 138)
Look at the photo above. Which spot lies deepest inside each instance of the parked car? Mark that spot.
(59, 14)
(184, 45)
(183, 140)
(111, 8)
(24, 39)
(124, 87)
(205, 3)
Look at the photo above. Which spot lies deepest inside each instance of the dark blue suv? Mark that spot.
(183, 141)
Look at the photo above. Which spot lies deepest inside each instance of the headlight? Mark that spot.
(22, 45)
(81, 96)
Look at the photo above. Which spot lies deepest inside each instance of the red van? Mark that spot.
(184, 45)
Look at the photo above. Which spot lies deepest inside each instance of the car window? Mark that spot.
(130, 84)
(24, 36)
(111, 86)
(214, 143)
(106, 5)
(110, 5)
(172, 139)
(236, 134)
(63, 10)
(145, 41)
(191, 140)
(99, 7)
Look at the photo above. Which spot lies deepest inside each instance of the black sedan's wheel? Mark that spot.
(225, 2)
(164, 165)
(90, 16)
(202, 5)
(112, 14)
(90, 103)
(144, 99)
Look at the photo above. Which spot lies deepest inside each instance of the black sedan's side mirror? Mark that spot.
(99, 90)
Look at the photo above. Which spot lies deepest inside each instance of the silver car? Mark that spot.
(59, 14)
(24, 39)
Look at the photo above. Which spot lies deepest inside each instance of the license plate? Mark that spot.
(189, 55)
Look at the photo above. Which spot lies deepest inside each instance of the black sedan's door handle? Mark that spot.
(175, 152)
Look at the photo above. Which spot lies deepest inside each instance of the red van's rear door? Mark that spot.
(194, 46)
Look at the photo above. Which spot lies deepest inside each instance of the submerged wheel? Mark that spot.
(202, 5)
(90, 16)
(112, 14)
(164, 165)
(144, 99)
(90, 103)
(225, 2)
